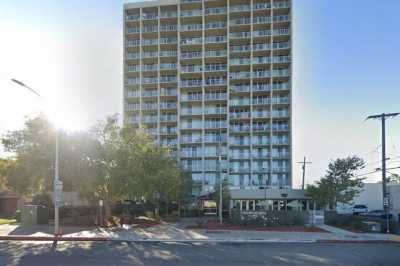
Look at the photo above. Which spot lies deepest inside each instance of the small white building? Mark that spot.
(371, 195)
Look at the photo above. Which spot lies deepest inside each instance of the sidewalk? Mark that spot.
(176, 233)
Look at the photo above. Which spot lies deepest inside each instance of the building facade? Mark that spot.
(212, 80)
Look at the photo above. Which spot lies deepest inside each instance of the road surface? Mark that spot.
(107, 253)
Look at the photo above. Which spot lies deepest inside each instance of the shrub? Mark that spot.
(42, 199)
(17, 216)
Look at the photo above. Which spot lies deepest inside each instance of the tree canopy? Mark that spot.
(340, 183)
(107, 162)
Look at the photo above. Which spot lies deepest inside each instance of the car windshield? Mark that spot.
(360, 206)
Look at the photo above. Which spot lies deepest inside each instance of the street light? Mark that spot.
(57, 183)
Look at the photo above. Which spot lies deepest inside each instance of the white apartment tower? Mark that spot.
(212, 80)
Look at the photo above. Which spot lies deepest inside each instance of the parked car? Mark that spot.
(359, 208)
(377, 214)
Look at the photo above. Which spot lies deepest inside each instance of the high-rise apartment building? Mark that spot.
(212, 80)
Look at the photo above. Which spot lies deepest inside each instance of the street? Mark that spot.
(106, 253)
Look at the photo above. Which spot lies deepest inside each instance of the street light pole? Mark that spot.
(56, 166)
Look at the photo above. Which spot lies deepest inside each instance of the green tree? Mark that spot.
(340, 183)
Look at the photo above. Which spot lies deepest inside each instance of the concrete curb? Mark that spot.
(51, 238)
(215, 241)
(358, 241)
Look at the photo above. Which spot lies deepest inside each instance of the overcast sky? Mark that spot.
(346, 66)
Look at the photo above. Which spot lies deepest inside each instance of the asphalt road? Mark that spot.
(90, 253)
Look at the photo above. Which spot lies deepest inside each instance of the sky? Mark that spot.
(346, 66)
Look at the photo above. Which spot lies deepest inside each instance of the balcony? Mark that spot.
(149, 16)
(191, 13)
(240, 75)
(190, 1)
(133, 68)
(214, 124)
(169, 142)
(130, 18)
(280, 127)
(240, 102)
(240, 21)
(239, 170)
(192, 125)
(239, 115)
(133, 119)
(168, 53)
(168, 118)
(282, 4)
(191, 83)
(239, 61)
(132, 43)
(150, 54)
(147, 42)
(215, 67)
(132, 56)
(282, 18)
(153, 80)
(133, 81)
(191, 27)
(186, 111)
(261, 6)
(132, 107)
(262, 20)
(190, 55)
(168, 66)
(240, 88)
(215, 53)
(148, 29)
(168, 92)
(168, 14)
(168, 79)
(167, 105)
(240, 34)
(215, 39)
(244, 128)
(191, 41)
(261, 127)
(215, 96)
(168, 130)
(149, 106)
(134, 93)
(149, 93)
(168, 27)
(215, 11)
(168, 40)
(215, 82)
(146, 68)
(132, 30)
(149, 119)
(215, 111)
(239, 8)
(191, 97)
(190, 139)
(216, 25)
(191, 69)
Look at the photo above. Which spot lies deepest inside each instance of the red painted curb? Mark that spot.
(52, 238)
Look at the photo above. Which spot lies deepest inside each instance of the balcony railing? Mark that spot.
(168, 92)
(168, 105)
(190, 55)
(215, 81)
(215, 39)
(131, 56)
(168, 53)
(168, 40)
(191, 13)
(168, 118)
(190, 27)
(168, 66)
(149, 93)
(192, 40)
(215, 96)
(147, 29)
(240, 75)
(132, 17)
(239, 61)
(168, 79)
(240, 34)
(191, 69)
(168, 14)
(191, 83)
(149, 54)
(149, 16)
(240, 102)
(168, 130)
(215, 53)
(215, 67)
(191, 97)
(149, 106)
(239, 8)
(132, 43)
(214, 111)
(216, 25)
(244, 128)
(215, 10)
(168, 27)
(239, 115)
(132, 30)
(185, 111)
(240, 88)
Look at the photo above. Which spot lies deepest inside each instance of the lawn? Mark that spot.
(7, 221)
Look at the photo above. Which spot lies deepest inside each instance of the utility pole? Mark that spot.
(304, 162)
(383, 117)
